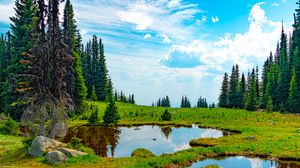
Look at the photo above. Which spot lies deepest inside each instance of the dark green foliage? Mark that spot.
(251, 101)
(94, 68)
(185, 102)
(111, 115)
(121, 97)
(21, 39)
(27, 142)
(202, 103)
(8, 126)
(94, 117)
(75, 81)
(223, 98)
(166, 116)
(163, 102)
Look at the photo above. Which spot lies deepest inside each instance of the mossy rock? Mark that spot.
(142, 153)
(211, 166)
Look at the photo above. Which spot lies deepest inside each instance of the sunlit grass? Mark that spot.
(263, 134)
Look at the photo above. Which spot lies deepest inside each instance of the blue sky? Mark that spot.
(156, 48)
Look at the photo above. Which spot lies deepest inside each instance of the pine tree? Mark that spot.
(22, 39)
(223, 98)
(294, 93)
(241, 92)
(232, 88)
(111, 115)
(251, 98)
(102, 73)
(284, 74)
(264, 84)
(76, 84)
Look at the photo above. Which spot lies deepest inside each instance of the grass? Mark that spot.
(270, 135)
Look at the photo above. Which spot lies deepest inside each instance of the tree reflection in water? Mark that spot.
(166, 130)
(103, 140)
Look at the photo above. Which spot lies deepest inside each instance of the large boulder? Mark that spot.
(40, 145)
(55, 157)
(71, 152)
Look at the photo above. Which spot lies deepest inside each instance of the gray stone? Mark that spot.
(61, 129)
(55, 157)
(71, 152)
(40, 145)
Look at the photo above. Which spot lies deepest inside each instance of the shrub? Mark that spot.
(27, 142)
(142, 153)
(166, 116)
(9, 126)
(94, 117)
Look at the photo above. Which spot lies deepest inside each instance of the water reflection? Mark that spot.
(244, 162)
(121, 141)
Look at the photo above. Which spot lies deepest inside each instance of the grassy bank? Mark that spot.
(271, 135)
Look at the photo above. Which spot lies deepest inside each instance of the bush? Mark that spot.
(166, 116)
(27, 142)
(9, 126)
(94, 117)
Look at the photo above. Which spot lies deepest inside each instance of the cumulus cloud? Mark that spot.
(244, 49)
(146, 36)
(215, 19)
(166, 39)
(275, 4)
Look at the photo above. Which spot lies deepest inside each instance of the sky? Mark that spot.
(156, 48)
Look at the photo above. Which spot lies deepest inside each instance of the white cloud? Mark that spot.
(141, 20)
(275, 4)
(166, 39)
(161, 17)
(202, 20)
(174, 3)
(215, 19)
(284, 1)
(7, 10)
(244, 49)
(146, 36)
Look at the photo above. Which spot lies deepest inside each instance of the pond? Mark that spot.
(243, 162)
(121, 141)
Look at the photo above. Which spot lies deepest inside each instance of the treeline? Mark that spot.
(279, 86)
(185, 103)
(121, 97)
(45, 70)
(162, 102)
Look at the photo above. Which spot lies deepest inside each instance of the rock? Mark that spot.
(250, 138)
(61, 129)
(40, 145)
(55, 157)
(71, 152)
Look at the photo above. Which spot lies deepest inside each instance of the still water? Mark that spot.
(243, 162)
(121, 141)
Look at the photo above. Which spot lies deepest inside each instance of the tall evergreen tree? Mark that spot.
(102, 73)
(76, 84)
(251, 97)
(223, 98)
(22, 39)
(111, 115)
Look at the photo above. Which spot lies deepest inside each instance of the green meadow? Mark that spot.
(259, 134)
